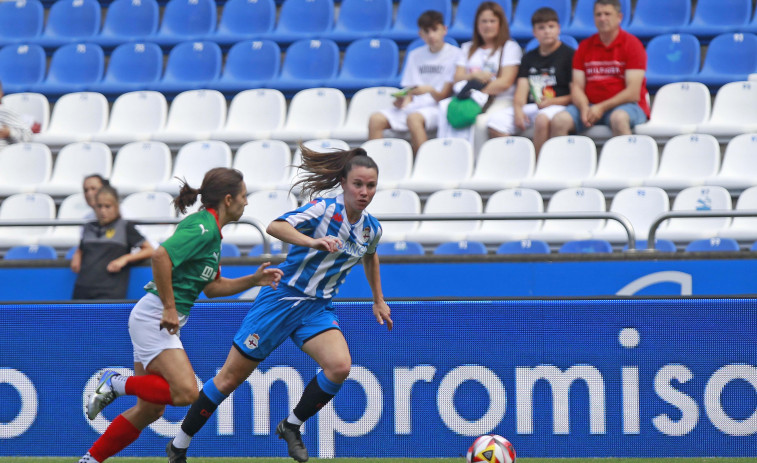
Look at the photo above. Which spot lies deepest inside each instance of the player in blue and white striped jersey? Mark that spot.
(328, 237)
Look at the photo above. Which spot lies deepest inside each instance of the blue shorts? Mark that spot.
(635, 115)
(281, 313)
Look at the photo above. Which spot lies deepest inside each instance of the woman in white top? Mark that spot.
(491, 57)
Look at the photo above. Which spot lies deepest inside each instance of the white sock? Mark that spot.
(182, 440)
(119, 384)
(87, 458)
(292, 419)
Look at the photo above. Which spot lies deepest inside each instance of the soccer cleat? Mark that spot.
(175, 455)
(104, 394)
(291, 434)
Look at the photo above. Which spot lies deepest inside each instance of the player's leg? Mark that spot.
(377, 123)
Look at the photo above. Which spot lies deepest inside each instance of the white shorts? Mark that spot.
(504, 121)
(148, 339)
(398, 117)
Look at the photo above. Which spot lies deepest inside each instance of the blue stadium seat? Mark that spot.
(190, 65)
(71, 21)
(303, 19)
(520, 24)
(650, 18)
(245, 20)
(361, 18)
(729, 58)
(129, 21)
(185, 20)
(405, 27)
(31, 252)
(230, 250)
(586, 247)
(659, 245)
(465, 15)
(713, 245)
(714, 17)
(21, 66)
(400, 248)
(250, 64)
(307, 64)
(582, 24)
(21, 21)
(367, 63)
(524, 247)
(132, 66)
(564, 38)
(257, 250)
(73, 68)
(70, 253)
(461, 248)
(672, 58)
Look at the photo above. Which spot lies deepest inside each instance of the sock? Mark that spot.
(119, 384)
(317, 393)
(151, 388)
(199, 413)
(117, 437)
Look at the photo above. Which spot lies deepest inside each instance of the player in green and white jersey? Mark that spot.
(183, 266)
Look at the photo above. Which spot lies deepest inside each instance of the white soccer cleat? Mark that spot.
(104, 394)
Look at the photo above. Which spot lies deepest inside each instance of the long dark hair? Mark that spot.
(504, 28)
(324, 171)
(216, 184)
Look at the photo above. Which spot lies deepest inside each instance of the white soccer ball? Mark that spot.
(491, 448)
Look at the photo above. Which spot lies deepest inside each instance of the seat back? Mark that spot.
(409, 10)
(197, 110)
(22, 65)
(311, 59)
(725, 14)
(188, 18)
(747, 201)
(196, 158)
(370, 58)
(575, 200)
(150, 205)
(461, 248)
(73, 19)
(145, 163)
(739, 159)
(400, 248)
(25, 206)
(80, 112)
(713, 245)
(365, 16)
(450, 202)
(72, 207)
(640, 206)
(675, 14)
(673, 55)
(246, 17)
(395, 201)
(78, 160)
(690, 156)
(306, 16)
(734, 54)
(142, 112)
(33, 105)
(76, 63)
(131, 18)
(135, 63)
(317, 109)
(365, 102)
(194, 62)
(394, 158)
(524, 247)
(444, 159)
(263, 162)
(628, 156)
(681, 103)
(735, 103)
(505, 158)
(586, 247)
(257, 109)
(513, 201)
(256, 60)
(709, 198)
(21, 20)
(567, 157)
(33, 252)
(266, 206)
(25, 164)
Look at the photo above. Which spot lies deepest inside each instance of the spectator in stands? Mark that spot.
(105, 251)
(91, 185)
(543, 86)
(609, 86)
(14, 128)
(426, 79)
(488, 62)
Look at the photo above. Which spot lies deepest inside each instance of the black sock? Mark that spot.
(312, 400)
(199, 413)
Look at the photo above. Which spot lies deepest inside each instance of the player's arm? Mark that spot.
(264, 276)
(286, 232)
(380, 308)
(162, 274)
(630, 94)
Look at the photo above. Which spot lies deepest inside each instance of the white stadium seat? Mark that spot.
(66, 236)
(25, 206)
(141, 166)
(363, 103)
(448, 202)
(698, 198)
(441, 163)
(321, 145)
(509, 201)
(739, 168)
(743, 228)
(395, 201)
(502, 162)
(394, 158)
(24, 166)
(253, 115)
(32, 105)
(686, 160)
(76, 117)
(193, 115)
(135, 116)
(678, 108)
(564, 162)
(150, 205)
(640, 205)
(74, 162)
(734, 111)
(265, 164)
(193, 161)
(626, 161)
(313, 113)
(572, 200)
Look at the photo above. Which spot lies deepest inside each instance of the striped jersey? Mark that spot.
(319, 273)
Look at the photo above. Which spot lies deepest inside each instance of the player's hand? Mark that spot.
(265, 276)
(170, 320)
(382, 313)
(327, 243)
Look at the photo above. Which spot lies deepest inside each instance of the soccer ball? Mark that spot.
(491, 448)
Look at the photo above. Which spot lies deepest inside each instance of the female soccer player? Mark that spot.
(183, 266)
(328, 237)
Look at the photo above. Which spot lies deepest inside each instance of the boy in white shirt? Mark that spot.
(428, 75)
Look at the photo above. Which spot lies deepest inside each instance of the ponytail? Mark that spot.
(216, 184)
(324, 171)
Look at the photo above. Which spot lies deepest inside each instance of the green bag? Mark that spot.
(462, 113)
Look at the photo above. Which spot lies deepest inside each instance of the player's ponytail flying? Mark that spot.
(216, 184)
(325, 171)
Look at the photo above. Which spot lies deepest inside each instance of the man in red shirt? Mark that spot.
(609, 86)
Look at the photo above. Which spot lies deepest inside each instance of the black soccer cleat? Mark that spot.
(176, 455)
(291, 434)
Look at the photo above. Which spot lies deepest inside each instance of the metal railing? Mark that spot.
(692, 215)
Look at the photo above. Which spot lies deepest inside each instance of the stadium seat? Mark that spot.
(572, 200)
(651, 18)
(582, 24)
(250, 64)
(21, 66)
(313, 113)
(729, 58)
(33, 106)
(75, 117)
(394, 158)
(441, 163)
(405, 27)
(705, 198)
(361, 18)
(186, 20)
(190, 66)
(70, 21)
(659, 246)
(713, 17)
(462, 26)
(461, 248)
(395, 201)
(734, 111)
(73, 207)
(74, 162)
(265, 164)
(193, 115)
(150, 205)
(524, 247)
(743, 228)
(368, 62)
(686, 160)
(242, 20)
(318, 144)
(21, 21)
(253, 114)
(400, 248)
(132, 66)
(25, 206)
(593, 246)
(362, 104)
(626, 161)
(564, 162)
(264, 206)
(308, 64)
(129, 21)
(641, 206)
(23, 166)
(672, 58)
(192, 162)
(713, 245)
(564, 38)
(502, 163)
(73, 68)
(141, 166)
(449, 201)
(303, 20)
(678, 108)
(738, 170)
(135, 116)
(33, 252)
(509, 201)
